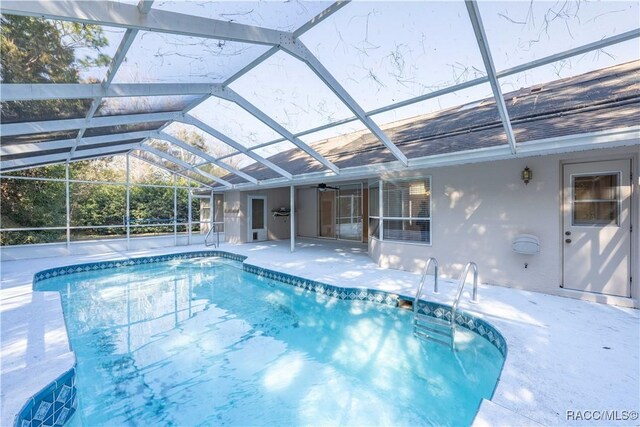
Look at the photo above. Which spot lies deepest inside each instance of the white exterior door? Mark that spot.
(257, 219)
(597, 227)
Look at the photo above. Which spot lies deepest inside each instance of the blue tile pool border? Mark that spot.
(53, 405)
(429, 308)
(44, 408)
(105, 265)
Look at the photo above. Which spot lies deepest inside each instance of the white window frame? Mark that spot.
(383, 218)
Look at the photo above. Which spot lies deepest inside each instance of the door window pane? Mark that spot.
(257, 214)
(595, 213)
(596, 187)
(595, 200)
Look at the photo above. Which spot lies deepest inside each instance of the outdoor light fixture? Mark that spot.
(527, 175)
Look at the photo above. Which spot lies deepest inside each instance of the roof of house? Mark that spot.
(600, 100)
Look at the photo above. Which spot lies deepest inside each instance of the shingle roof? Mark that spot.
(599, 100)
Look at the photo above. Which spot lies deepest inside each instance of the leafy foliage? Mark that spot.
(34, 50)
(38, 203)
(97, 204)
(29, 204)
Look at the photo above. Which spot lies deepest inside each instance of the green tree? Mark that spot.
(33, 203)
(97, 204)
(198, 141)
(110, 169)
(35, 50)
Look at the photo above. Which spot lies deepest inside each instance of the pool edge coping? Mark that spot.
(430, 308)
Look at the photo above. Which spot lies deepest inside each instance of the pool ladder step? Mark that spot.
(435, 329)
(438, 329)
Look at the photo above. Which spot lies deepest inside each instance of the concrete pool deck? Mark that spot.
(563, 354)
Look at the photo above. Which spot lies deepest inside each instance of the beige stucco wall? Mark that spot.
(307, 212)
(477, 211)
(479, 208)
(278, 227)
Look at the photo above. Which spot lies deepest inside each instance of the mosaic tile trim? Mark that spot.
(353, 294)
(429, 308)
(105, 265)
(53, 405)
(467, 321)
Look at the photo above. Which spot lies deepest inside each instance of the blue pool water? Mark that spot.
(201, 342)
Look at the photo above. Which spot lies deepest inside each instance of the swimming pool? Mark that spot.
(201, 341)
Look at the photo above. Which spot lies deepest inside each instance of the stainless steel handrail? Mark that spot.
(461, 283)
(424, 275)
(206, 237)
(213, 229)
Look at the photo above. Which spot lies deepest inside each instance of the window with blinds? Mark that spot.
(406, 207)
(406, 210)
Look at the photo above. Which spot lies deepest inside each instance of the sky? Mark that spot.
(382, 52)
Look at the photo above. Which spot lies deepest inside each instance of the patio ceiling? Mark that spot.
(276, 35)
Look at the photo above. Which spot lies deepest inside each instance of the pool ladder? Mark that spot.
(441, 329)
(216, 244)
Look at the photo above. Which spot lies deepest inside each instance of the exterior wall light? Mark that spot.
(527, 175)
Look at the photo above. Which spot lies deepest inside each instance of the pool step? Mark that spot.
(435, 329)
(446, 341)
(431, 320)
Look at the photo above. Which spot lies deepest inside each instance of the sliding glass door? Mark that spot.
(340, 213)
(349, 219)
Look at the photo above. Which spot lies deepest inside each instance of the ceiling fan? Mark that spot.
(325, 187)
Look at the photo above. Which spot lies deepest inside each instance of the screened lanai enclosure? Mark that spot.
(294, 212)
(124, 119)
